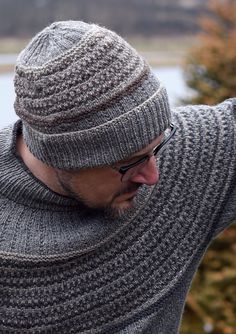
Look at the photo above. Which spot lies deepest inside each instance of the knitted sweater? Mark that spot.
(65, 269)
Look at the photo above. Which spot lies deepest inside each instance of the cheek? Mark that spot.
(98, 188)
(105, 189)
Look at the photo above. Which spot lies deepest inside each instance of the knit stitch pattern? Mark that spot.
(61, 273)
(82, 88)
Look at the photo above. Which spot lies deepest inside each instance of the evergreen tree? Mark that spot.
(211, 303)
(211, 65)
(211, 72)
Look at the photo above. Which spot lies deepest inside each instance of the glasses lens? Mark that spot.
(168, 133)
(166, 136)
(132, 171)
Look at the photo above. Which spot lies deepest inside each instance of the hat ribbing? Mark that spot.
(86, 97)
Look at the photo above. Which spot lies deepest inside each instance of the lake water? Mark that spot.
(171, 77)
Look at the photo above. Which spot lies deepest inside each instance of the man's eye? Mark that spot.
(131, 161)
(127, 163)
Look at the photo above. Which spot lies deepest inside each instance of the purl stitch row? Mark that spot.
(87, 86)
(63, 270)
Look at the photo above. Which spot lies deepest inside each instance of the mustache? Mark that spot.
(130, 188)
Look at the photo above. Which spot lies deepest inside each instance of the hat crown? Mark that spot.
(53, 41)
(86, 97)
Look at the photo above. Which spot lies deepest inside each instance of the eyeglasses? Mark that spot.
(129, 170)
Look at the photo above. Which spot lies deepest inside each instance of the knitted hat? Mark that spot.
(86, 98)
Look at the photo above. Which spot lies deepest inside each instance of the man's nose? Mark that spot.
(148, 174)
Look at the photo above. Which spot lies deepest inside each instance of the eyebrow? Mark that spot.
(141, 155)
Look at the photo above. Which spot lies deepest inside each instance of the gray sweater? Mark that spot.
(65, 269)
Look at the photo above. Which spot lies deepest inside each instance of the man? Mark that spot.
(102, 231)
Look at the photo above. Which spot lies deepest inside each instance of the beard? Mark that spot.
(114, 211)
(111, 209)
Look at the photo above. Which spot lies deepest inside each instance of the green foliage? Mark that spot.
(211, 65)
(211, 303)
(211, 72)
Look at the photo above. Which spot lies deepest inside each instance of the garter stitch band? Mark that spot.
(86, 98)
(65, 270)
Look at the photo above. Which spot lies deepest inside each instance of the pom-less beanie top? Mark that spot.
(86, 97)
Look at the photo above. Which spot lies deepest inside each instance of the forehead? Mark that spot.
(150, 147)
(146, 149)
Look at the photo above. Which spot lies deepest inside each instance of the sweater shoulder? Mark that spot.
(226, 108)
(228, 215)
(6, 135)
(216, 125)
(217, 122)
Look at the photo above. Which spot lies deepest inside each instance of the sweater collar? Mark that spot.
(18, 183)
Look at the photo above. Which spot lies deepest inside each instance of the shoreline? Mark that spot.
(8, 68)
(154, 60)
(158, 51)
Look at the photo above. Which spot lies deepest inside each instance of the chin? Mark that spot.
(126, 205)
(119, 209)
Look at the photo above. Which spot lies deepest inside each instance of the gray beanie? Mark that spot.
(85, 97)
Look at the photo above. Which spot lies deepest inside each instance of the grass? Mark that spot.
(159, 51)
(6, 68)
(164, 50)
(160, 43)
(12, 45)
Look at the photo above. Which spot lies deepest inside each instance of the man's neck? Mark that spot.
(40, 170)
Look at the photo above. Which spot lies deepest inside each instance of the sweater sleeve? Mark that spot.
(228, 215)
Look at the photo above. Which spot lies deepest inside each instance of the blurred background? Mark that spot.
(191, 47)
(162, 30)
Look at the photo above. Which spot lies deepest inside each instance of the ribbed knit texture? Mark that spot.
(63, 270)
(86, 97)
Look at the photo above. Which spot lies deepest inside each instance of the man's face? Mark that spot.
(102, 188)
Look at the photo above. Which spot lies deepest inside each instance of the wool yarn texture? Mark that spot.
(67, 270)
(86, 97)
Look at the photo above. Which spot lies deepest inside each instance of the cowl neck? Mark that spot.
(64, 270)
(65, 222)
